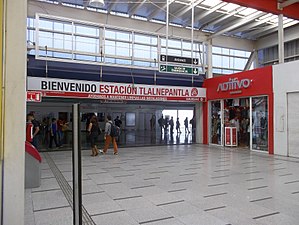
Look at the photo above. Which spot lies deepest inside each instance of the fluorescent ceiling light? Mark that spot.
(211, 3)
(247, 11)
(230, 7)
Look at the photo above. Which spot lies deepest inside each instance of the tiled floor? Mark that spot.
(170, 185)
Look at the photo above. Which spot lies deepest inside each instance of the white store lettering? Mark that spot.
(234, 84)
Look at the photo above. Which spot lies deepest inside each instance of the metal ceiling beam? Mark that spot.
(156, 11)
(251, 25)
(286, 3)
(222, 18)
(250, 60)
(135, 7)
(207, 12)
(272, 29)
(183, 11)
(238, 23)
(253, 34)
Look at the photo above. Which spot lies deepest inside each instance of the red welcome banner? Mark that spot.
(50, 87)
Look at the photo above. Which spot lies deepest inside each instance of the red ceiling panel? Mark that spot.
(270, 6)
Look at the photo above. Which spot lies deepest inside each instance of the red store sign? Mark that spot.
(114, 91)
(248, 83)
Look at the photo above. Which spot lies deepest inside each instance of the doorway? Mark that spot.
(237, 114)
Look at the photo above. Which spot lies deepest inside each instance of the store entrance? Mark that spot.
(237, 114)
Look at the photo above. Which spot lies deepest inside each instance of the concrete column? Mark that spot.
(199, 123)
(280, 39)
(14, 91)
(209, 60)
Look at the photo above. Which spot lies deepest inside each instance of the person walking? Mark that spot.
(171, 124)
(36, 130)
(153, 123)
(109, 137)
(178, 126)
(186, 125)
(118, 123)
(59, 131)
(93, 131)
(161, 123)
(53, 133)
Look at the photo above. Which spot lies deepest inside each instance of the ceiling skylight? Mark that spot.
(230, 7)
(211, 3)
(266, 16)
(247, 11)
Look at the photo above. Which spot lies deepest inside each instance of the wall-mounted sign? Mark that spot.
(248, 83)
(178, 59)
(51, 87)
(178, 69)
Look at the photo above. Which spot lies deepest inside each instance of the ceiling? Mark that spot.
(216, 17)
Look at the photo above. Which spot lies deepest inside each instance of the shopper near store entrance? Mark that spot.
(93, 131)
(186, 125)
(235, 123)
(109, 137)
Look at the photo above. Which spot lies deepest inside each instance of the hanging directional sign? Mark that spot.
(178, 69)
(177, 59)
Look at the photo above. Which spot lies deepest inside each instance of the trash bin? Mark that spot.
(32, 166)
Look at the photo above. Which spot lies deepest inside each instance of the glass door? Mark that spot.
(259, 121)
(215, 121)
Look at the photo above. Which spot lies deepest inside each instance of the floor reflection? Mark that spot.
(131, 138)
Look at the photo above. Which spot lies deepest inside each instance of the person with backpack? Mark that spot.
(111, 132)
(93, 132)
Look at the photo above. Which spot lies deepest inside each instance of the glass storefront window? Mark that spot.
(260, 123)
(215, 122)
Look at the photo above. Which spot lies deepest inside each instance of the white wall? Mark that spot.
(285, 80)
(290, 34)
